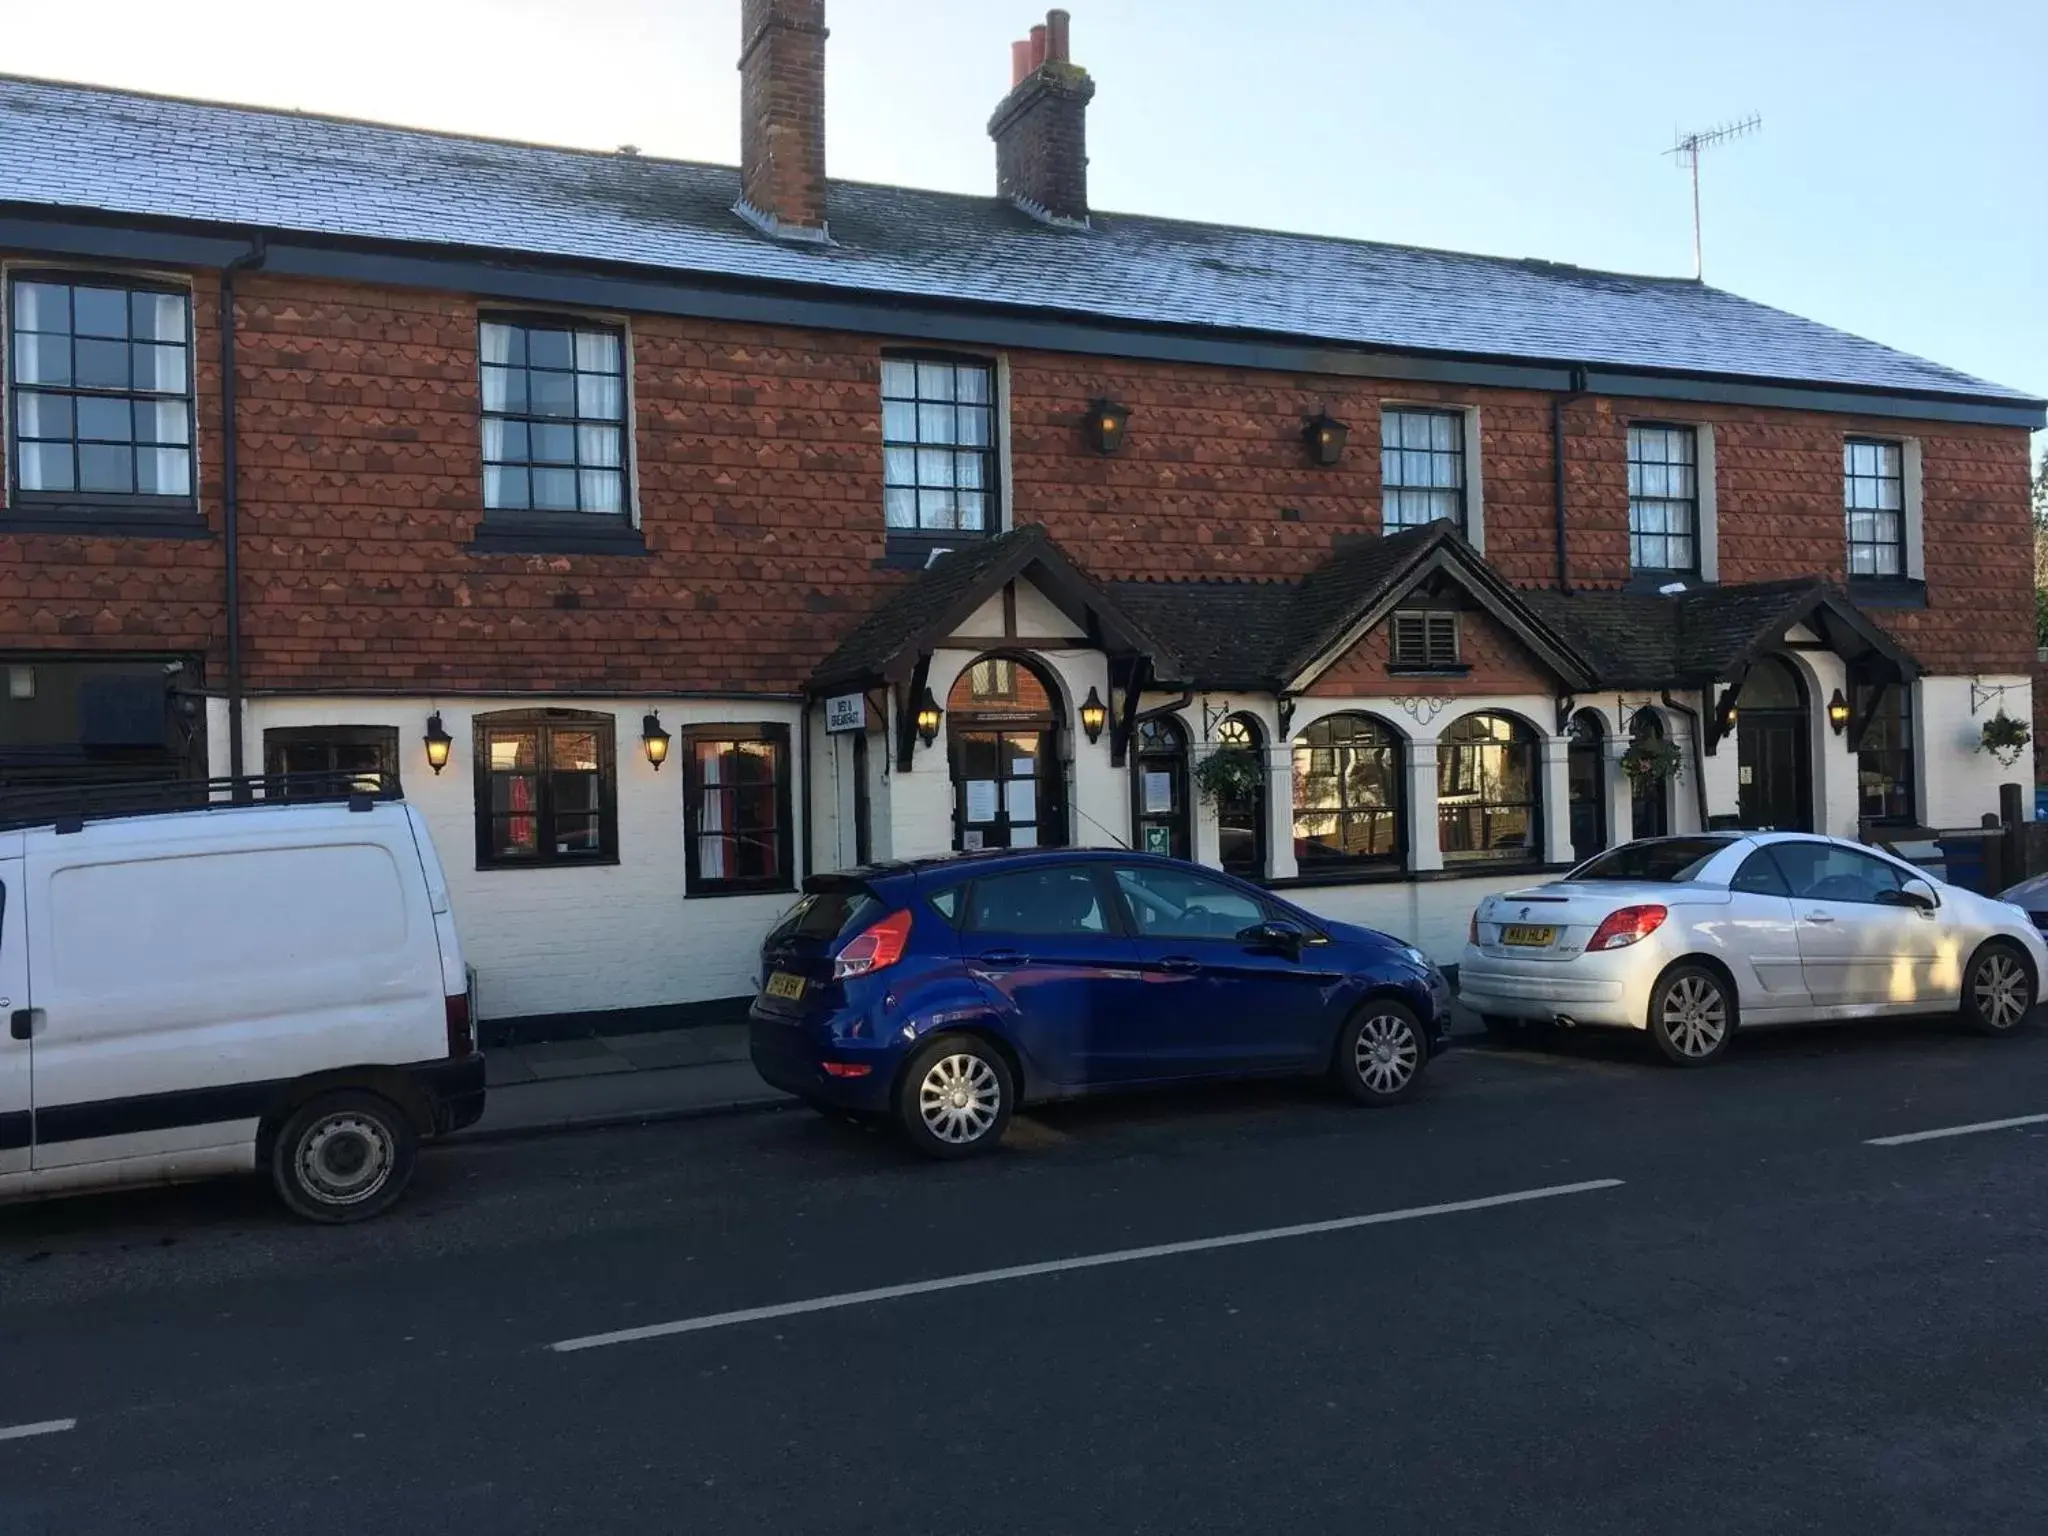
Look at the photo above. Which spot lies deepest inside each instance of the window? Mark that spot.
(938, 445)
(1760, 876)
(1487, 790)
(993, 680)
(1425, 640)
(361, 756)
(1422, 468)
(736, 808)
(545, 789)
(1666, 860)
(554, 408)
(1241, 813)
(1830, 872)
(1061, 899)
(1179, 904)
(1874, 500)
(1347, 794)
(103, 392)
(822, 916)
(1663, 499)
(1884, 754)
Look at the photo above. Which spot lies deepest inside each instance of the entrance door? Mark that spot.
(1005, 789)
(16, 1121)
(1774, 778)
(1586, 774)
(1159, 788)
(1649, 799)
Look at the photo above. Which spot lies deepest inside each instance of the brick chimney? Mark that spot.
(782, 118)
(1041, 128)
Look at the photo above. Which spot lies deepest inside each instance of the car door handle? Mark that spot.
(1004, 957)
(21, 1023)
(1818, 917)
(1180, 964)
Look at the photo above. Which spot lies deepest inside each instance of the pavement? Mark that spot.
(1567, 1291)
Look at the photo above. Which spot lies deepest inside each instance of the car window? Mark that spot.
(821, 916)
(1760, 876)
(1168, 903)
(948, 903)
(1057, 898)
(1669, 859)
(1829, 872)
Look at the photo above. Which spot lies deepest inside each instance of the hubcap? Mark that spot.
(1695, 1016)
(959, 1098)
(1387, 1052)
(345, 1158)
(2001, 990)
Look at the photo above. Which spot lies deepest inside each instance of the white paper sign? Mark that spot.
(981, 799)
(1023, 795)
(1158, 793)
(846, 712)
(970, 841)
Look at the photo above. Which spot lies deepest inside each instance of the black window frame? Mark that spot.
(545, 723)
(145, 508)
(381, 739)
(1422, 641)
(578, 526)
(1457, 454)
(1636, 500)
(917, 539)
(1520, 735)
(1892, 758)
(1395, 745)
(696, 882)
(1850, 478)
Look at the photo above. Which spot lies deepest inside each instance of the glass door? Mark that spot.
(1004, 789)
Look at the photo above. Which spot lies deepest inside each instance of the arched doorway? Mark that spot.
(1159, 787)
(1003, 725)
(1241, 818)
(1774, 768)
(1586, 772)
(1649, 799)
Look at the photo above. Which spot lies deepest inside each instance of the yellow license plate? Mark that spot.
(1527, 936)
(782, 984)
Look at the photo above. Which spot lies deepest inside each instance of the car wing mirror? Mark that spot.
(1275, 936)
(1919, 895)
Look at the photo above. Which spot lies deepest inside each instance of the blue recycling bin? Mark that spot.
(1966, 861)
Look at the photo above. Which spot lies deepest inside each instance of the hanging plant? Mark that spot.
(2005, 738)
(1230, 773)
(1652, 760)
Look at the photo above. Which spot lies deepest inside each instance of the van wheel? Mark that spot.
(343, 1157)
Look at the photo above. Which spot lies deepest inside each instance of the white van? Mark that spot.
(272, 986)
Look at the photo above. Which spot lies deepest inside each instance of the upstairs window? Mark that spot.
(1663, 499)
(102, 393)
(1422, 468)
(1426, 640)
(1874, 502)
(938, 446)
(554, 410)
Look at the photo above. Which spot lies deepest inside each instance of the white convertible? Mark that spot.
(1691, 937)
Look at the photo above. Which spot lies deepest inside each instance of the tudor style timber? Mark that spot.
(720, 525)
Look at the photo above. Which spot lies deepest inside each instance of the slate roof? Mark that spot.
(1228, 634)
(78, 147)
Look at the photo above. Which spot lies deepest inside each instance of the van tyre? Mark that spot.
(1381, 1053)
(1692, 1015)
(955, 1097)
(344, 1157)
(1998, 989)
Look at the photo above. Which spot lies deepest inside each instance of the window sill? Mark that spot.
(103, 520)
(506, 536)
(903, 551)
(700, 890)
(1463, 869)
(1411, 669)
(607, 861)
(1887, 592)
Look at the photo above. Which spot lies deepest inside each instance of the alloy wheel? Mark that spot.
(959, 1098)
(345, 1158)
(1695, 1016)
(2000, 990)
(1386, 1053)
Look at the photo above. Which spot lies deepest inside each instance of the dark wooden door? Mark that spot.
(1774, 789)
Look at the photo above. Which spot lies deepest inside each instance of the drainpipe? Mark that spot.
(803, 775)
(231, 501)
(1557, 405)
(1699, 752)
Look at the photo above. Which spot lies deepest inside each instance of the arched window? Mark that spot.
(1347, 794)
(1159, 787)
(1489, 789)
(1003, 729)
(1588, 779)
(1241, 818)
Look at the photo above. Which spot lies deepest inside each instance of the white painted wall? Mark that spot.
(1433, 915)
(1959, 784)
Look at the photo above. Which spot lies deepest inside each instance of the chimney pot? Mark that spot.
(1056, 36)
(782, 117)
(1037, 47)
(1020, 62)
(1040, 128)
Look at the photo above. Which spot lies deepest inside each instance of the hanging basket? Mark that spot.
(1654, 760)
(2005, 738)
(1230, 773)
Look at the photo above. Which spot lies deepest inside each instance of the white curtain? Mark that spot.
(712, 863)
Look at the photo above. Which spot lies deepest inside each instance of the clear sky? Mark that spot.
(1898, 188)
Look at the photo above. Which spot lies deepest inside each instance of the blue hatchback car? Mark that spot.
(945, 992)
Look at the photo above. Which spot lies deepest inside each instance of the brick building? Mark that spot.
(723, 525)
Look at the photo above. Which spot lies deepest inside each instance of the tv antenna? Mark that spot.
(1688, 150)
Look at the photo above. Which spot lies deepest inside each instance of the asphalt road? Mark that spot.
(1767, 1324)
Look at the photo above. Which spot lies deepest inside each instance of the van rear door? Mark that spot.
(17, 1121)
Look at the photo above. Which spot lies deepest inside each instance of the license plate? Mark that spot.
(1527, 936)
(782, 984)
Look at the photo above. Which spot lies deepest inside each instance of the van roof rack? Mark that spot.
(67, 808)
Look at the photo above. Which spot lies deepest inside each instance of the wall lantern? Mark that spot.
(438, 743)
(1838, 712)
(1106, 423)
(1325, 436)
(654, 740)
(1093, 715)
(928, 716)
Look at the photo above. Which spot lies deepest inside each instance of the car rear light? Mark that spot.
(1626, 925)
(847, 1069)
(461, 1034)
(874, 947)
(1472, 931)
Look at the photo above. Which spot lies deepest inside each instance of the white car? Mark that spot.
(1692, 937)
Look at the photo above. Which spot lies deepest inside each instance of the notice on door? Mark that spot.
(981, 799)
(1023, 795)
(1158, 793)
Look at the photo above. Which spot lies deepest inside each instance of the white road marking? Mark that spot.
(1956, 1130)
(1061, 1266)
(28, 1431)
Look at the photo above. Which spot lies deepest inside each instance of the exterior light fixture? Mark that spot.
(1325, 436)
(1106, 423)
(928, 716)
(1838, 712)
(438, 743)
(654, 740)
(1094, 715)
